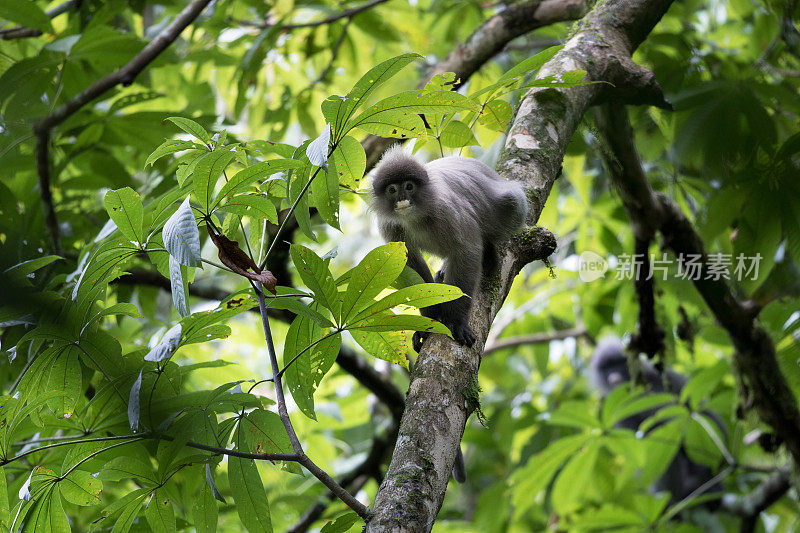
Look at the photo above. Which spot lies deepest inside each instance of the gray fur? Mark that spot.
(459, 209)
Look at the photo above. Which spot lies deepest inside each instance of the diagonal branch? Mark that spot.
(124, 75)
(443, 390)
(347, 13)
(754, 355)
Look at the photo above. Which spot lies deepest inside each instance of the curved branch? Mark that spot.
(125, 75)
(443, 390)
(535, 338)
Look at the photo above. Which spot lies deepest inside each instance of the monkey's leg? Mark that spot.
(418, 264)
(463, 272)
(489, 258)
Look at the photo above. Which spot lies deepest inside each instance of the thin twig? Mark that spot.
(333, 18)
(535, 338)
(21, 32)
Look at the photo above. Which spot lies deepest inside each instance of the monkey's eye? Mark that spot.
(409, 186)
(391, 189)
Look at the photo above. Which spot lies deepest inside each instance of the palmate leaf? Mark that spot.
(32, 265)
(252, 205)
(392, 322)
(47, 514)
(575, 480)
(307, 356)
(457, 134)
(374, 273)
(507, 81)
(124, 206)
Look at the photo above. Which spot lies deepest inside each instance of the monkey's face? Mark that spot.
(401, 198)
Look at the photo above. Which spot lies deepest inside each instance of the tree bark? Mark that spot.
(444, 390)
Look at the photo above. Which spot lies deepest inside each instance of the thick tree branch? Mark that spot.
(443, 390)
(484, 43)
(125, 75)
(754, 355)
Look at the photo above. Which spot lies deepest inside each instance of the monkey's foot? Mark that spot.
(462, 333)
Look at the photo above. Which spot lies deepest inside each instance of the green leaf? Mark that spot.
(421, 295)
(456, 134)
(325, 192)
(374, 273)
(125, 467)
(101, 268)
(170, 146)
(496, 115)
(249, 496)
(125, 509)
(181, 236)
(392, 322)
(246, 176)
(390, 346)
(264, 433)
(350, 161)
(535, 476)
(295, 306)
(65, 375)
(507, 81)
(25, 13)
(166, 346)
(47, 515)
(366, 86)
(81, 488)
(574, 481)
(124, 206)
(5, 510)
(206, 173)
(252, 205)
(317, 277)
(160, 513)
(205, 512)
(32, 265)
(306, 372)
(401, 111)
(574, 413)
(341, 524)
(192, 128)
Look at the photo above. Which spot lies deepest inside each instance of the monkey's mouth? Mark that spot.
(402, 207)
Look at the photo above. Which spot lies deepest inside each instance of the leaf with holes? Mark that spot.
(81, 488)
(307, 364)
(374, 273)
(124, 206)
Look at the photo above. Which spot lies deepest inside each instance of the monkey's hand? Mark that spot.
(418, 339)
(461, 331)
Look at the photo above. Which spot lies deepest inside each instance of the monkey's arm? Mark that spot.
(463, 271)
(418, 264)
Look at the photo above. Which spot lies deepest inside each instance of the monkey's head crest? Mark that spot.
(400, 184)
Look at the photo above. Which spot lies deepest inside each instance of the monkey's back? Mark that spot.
(478, 197)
